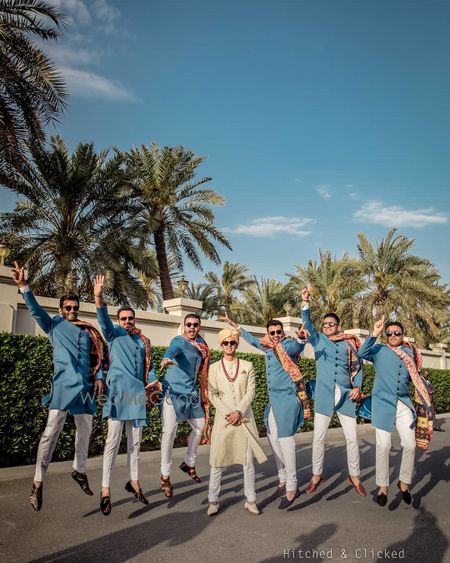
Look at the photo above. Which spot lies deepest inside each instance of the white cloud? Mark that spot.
(272, 226)
(349, 185)
(353, 195)
(297, 180)
(324, 190)
(75, 10)
(65, 55)
(90, 85)
(395, 216)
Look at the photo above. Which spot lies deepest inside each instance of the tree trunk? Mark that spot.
(163, 265)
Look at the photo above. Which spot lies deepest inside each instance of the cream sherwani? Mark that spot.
(233, 444)
(229, 443)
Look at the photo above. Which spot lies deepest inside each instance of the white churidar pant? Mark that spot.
(112, 444)
(349, 426)
(283, 450)
(249, 480)
(49, 439)
(169, 431)
(403, 421)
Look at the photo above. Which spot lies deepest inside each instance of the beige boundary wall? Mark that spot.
(160, 327)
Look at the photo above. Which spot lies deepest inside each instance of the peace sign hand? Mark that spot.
(18, 275)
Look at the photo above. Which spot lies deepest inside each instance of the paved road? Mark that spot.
(332, 525)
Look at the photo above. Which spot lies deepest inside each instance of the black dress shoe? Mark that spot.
(382, 499)
(138, 494)
(36, 497)
(82, 480)
(406, 495)
(286, 503)
(105, 505)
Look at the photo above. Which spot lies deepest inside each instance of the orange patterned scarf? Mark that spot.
(354, 344)
(424, 422)
(148, 361)
(99, 348)
(292, 369)
(202, 347)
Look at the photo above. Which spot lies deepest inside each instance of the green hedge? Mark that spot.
(26, 368)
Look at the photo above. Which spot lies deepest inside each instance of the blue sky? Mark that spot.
(319, 119)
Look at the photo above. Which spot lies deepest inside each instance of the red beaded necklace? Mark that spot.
(226, 373)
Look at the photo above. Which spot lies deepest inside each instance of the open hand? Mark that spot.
(99, 284)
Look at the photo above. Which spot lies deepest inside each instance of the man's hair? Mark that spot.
(394, 323)
(192, 316)
(125, 309)
(68, 297)
(274, 322)
(333, 316)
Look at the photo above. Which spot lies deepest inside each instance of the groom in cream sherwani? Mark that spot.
(234, 438)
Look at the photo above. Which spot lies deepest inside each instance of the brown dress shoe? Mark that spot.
(166, 487)
(313, 486)
(138, 494)
(358, 488)
(82, 480)
(190, 471)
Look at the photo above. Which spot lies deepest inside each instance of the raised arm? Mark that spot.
(252, 340)
(104, 319)
(369, 349)
(306, 317)
(39, 314)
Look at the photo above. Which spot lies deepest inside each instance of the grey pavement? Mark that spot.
(334, 524)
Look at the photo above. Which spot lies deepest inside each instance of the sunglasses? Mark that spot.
(331, 325)
(126, 319)
(229, 343)
(273, 332)
(71, 308)
(394, 333)
(189, 325)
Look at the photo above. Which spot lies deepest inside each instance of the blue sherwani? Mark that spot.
(126, 398)
(72, 385)
(391, 382)
(181, 379)
(331, 369)
(287, 408)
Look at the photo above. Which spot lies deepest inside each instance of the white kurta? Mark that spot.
(229, 443)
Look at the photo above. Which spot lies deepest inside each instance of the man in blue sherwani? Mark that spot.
(337, 388)
(130, 374)
(79, 354)
(284, 414)
(187, 360)
(391, 405)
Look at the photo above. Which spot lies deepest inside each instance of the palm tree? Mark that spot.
(32, 92)
(335, 285)
(263, 301)
(402, 285)
(234, 279)
(175, 211)
(71, 222)
(201, 292)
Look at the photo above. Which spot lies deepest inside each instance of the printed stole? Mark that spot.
(292, 369)
(99, 348)
(422, 397)
(148, 360)
(354, 344)
(204, 397)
